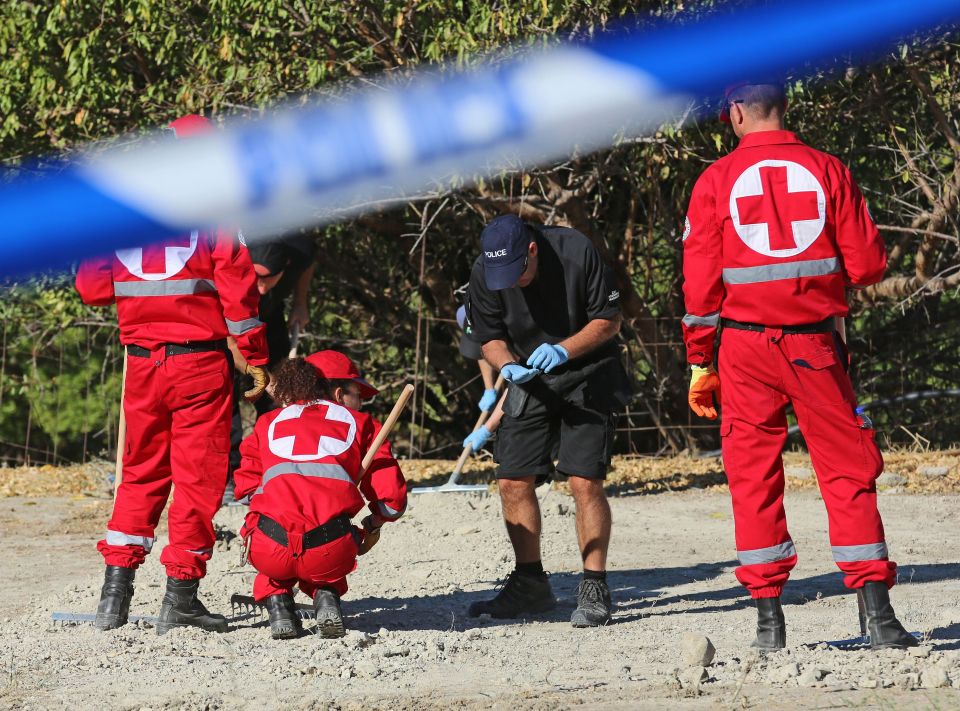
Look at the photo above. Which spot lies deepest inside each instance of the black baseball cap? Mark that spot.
(504, 246)
(273, 257)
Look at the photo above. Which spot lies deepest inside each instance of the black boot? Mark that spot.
(520, 594)
(284, 620)
(881, 622)
(115, 596)
(326, 608)
(181, 608)
(771, 627)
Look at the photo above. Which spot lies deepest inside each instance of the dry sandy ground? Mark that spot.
(411, 645)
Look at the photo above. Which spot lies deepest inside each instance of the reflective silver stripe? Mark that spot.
(175, 287)
(324, 471)
(708, 320)
(201, 551)
(238, 328)
(116, 538)
(758, 556)
(786, 270)
(867, 551)
(387, 511)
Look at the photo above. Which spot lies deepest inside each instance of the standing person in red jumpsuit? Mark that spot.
(301, 473)
(177, 302)
(774, 234)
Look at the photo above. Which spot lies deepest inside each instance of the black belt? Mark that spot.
(175, 349)
(321, 535)
(828, 325)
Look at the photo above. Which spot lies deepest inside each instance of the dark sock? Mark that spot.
(600, 575)
(534, 568)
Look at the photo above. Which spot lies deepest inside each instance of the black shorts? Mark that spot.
(539, 424)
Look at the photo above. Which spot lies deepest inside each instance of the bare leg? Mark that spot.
(593, 521)
(521, 513)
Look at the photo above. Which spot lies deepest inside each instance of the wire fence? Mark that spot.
(60, 397)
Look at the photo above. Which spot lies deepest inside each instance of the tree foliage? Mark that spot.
(76, 71)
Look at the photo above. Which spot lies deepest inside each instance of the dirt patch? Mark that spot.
(411, 646)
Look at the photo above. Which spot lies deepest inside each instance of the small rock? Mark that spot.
(798, 472)
(886, 683)
(935, 678)
(466, 530)
(397, 651)
(346, 673)
(698, 650)
(934, 472)
(868, 682)
(692, 678)
(908, 682)
(920, 652)
(891, 479)
(812, 676)
(783, 674)
(358, 640)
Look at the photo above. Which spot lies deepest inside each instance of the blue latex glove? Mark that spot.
(516, 373)
(547, 357)
(477, 438)
(488, 400)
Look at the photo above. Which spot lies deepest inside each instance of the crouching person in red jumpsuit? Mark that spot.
(176, 303)
(301, 472)
(775, 232)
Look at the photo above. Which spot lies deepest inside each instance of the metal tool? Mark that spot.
(452, 485)
(245, 605)
(80, 618)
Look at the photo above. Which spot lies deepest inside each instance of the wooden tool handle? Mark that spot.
(121, 430)
(388, 425)
(484, 416)
(294, 341)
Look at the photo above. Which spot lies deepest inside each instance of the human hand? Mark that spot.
(476, 439)
(704, 382)
(547, 357)
(488, 400)
(516, 373)
(299, 317)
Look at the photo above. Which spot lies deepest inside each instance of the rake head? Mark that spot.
(246, 606)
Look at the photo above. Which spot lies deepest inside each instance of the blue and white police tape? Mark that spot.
(321, 162)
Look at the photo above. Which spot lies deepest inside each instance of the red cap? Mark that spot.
(190, 125)
(334, 365)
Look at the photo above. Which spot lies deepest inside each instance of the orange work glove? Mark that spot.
(704, 382)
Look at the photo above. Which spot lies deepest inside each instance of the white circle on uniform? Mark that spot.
(175, 257)
(302, 445)
(778, 208)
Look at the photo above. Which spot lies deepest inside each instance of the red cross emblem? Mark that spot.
(159, 261)
(154, 260)
(778, 208)
(306, 432)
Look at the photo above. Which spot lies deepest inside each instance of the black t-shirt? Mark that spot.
(302, 250)
(573, 286)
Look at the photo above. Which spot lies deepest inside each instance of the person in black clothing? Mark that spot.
(284, 268)
(547, 311)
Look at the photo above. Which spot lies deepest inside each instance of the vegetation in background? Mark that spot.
(75, 71)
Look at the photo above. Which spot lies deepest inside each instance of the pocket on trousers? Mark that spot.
(821, 376)
(516, 401)
(201, 384)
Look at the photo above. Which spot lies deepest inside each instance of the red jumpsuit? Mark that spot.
(192, 291)
(774, 234)
(301, 467)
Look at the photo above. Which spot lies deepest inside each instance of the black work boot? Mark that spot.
(771, 627)
(115, 596)
(326, 608)
(881, 623)
(593, 604)
(520, 593)
(181, 608)
(284, 620)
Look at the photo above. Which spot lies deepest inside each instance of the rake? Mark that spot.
(452, 485)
